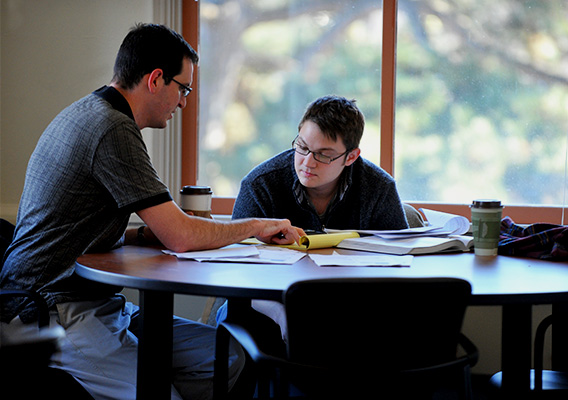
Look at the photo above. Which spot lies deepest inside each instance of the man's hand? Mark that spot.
(278, 231)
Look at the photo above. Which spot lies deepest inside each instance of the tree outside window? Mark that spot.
(481, 90)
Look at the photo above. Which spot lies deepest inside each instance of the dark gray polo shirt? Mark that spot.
(89, 172)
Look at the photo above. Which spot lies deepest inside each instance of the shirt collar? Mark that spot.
(116, 100)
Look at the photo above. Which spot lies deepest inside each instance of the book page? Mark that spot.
(440, 224)
(456, 224)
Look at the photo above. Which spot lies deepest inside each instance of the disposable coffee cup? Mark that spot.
(196, 200)
(486, 226)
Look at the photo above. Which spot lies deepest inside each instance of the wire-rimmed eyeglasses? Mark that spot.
(183, 89)
(322, 158)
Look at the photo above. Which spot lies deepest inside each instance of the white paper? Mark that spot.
(224, 252)
(440, 224)
(402, 233)
(243, 254)
(277, 255)
(457, 224)
(375, 260)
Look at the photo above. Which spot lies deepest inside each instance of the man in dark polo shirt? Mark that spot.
(89, 172)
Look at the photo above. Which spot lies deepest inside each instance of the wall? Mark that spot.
(54, 52)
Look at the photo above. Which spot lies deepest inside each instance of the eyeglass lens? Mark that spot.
(184, 90)
(304, 151)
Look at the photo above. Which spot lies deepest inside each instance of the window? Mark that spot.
(266, 60)
(480, 93)
(482, 101)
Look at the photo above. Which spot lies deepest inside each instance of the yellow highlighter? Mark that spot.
(312, 241)
(321, 240)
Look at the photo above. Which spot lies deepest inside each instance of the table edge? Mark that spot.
(133, 282)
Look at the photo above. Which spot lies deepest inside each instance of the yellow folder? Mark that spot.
(316, 241)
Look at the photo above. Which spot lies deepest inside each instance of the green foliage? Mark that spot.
(482, 99)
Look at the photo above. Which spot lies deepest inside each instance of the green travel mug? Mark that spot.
(486, 226)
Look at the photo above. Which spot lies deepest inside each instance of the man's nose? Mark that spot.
(309, 160)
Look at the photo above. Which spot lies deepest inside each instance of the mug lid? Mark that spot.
(486, 203)
(190, 189)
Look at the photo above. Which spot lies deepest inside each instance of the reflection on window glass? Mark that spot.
(263, 61)
(482, 100)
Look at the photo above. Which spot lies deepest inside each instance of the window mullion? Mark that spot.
(388, 85)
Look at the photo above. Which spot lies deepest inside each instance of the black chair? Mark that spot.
(369, 338)
(24, 364)
(24, 369)
(6, 235)
(547, 384)
(544, 384)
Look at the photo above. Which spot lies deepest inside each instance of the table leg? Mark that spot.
(236, 310)
(221, 374)
(155, 345)
(559, 335)
(516, 348)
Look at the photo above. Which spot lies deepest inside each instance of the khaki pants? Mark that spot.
(100, 350)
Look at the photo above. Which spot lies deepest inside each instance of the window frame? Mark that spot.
(224, 205)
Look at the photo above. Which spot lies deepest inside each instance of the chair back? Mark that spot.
(382, 325)
(24, 360)
(6, 235)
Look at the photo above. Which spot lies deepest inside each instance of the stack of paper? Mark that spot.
(243, 254)
(444, 233)
(439, 224)
(262, 254)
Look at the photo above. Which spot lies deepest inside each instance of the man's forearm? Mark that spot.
(202, 233)
(181, 232)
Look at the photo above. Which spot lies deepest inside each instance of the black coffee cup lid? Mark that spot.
(486, 203)
(196, 190)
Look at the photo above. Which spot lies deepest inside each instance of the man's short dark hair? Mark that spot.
(148, 47)
(336, 117)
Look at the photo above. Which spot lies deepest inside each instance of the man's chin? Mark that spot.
(159, 125)
(309, 183)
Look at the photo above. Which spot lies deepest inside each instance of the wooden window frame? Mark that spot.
(224, 205)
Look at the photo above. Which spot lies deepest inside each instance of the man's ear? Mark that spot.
(155, 80)
(352, 156)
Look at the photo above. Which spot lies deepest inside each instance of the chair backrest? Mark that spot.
(24, 361)
(6, 235)
(34, 297)
(384, 324)
(413, 217)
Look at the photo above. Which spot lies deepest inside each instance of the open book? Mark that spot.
(439, 224)
(413, 245)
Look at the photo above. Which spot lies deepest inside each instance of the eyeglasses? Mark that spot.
(183, 89)
(322, 158)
